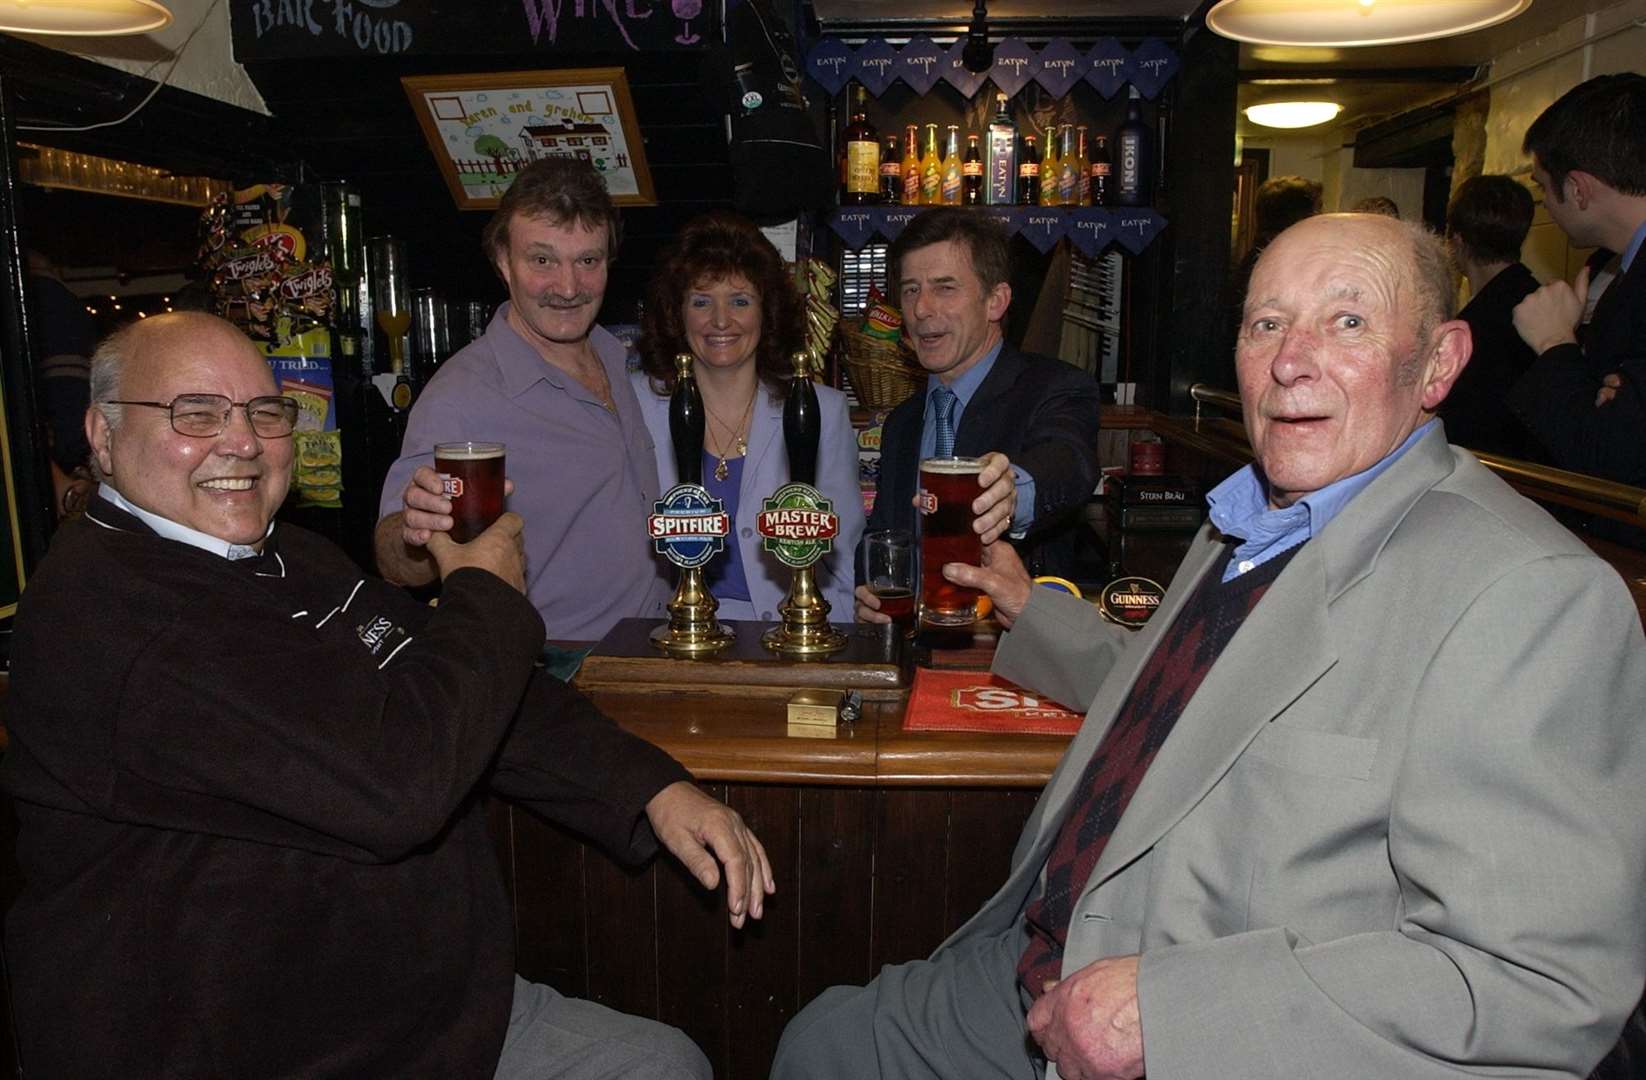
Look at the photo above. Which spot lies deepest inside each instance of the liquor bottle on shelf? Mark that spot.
(971, 174)
(1000, 158)
(891, 173)
(1069, 169)
(1082, 168)
(1028, 174)
(931, 171)
(951, 168)
(911, 165)
(1049, 165)
(862, 154)
(1102, 180)
(1135, 184)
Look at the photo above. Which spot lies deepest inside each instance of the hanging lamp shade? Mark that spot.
(82, 18)
(1293, 114)
(1347, 23)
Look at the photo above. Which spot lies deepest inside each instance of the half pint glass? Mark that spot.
(947, 488)
(472, 475)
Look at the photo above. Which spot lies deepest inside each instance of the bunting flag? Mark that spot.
(1108, 66)
(893, 218)
(1089, 231)
(920, 64)
(1061, 66)
(1135, 227)
(1042, 226)
(873, 64)
(854, 225)
(1014, 65)
(956, 75)
(1153, 65)
(829, 64)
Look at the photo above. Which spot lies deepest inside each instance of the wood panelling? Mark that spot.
(865, 877)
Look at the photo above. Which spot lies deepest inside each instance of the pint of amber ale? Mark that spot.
(472, 475)
(947, 488)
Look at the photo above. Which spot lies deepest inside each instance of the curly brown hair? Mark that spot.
(711, 248)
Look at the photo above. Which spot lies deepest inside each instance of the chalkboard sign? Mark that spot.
(305, 29)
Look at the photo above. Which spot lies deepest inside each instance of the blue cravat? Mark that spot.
(943, 402)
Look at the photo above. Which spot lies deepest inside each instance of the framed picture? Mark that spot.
(485, 128)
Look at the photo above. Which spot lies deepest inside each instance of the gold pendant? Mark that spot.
(720, 471)
(742, 447)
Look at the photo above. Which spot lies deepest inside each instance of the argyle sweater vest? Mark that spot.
(1169, 679)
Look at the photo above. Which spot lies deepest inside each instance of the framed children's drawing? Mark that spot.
(485, 128)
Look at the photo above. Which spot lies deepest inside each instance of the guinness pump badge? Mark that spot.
(1129, 601)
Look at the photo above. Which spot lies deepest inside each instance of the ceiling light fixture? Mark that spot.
(1293, 114)
(82, 18)
(1344, 23)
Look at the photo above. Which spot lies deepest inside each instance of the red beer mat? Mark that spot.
(982, 701)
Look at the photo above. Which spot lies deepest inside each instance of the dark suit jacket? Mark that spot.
(1475, 412)
(1043, 415)
(1556, 397)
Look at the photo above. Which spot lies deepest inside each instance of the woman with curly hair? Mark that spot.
(721, 293)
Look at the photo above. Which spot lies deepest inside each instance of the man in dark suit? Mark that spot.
(1486, 225)
(1031, 418)
(1589, 156)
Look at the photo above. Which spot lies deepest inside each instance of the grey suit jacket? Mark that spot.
(1400, 830)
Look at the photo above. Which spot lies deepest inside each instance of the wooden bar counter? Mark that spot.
(882, 841)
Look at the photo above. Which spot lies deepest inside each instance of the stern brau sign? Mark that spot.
(302, 29)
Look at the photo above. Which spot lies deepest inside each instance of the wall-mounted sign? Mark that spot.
(1108, 66)
(484, 129)
(304, 29)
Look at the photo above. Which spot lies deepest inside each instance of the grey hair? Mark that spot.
(106, 363)
(1434, 280)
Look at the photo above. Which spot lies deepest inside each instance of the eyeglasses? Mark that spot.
(202, 416)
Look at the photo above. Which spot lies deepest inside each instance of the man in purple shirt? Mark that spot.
(551, 385)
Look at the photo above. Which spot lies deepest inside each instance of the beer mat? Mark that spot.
(563, 662)
(982, 701)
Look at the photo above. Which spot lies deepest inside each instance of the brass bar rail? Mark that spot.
(1621, 501)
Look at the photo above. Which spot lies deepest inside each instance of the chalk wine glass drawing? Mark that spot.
(686, 11)
(485, 128)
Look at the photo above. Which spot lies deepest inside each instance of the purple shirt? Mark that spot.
(584, 478)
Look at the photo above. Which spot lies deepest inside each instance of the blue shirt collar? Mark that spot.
(966, 385)
(1633, 249)
(1240, 507)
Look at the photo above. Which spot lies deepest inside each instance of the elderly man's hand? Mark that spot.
(500, 550)
(1002, 576)
(868, 606)
(1549, 316)
(995, 507)
(1089, 1023)
(426, 508)
(699, 830)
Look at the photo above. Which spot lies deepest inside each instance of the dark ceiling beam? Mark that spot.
(1459, 74)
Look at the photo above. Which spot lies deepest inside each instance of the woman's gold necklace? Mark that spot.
(735, 446)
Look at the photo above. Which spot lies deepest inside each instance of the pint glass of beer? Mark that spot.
(472, 475)
(947, 488)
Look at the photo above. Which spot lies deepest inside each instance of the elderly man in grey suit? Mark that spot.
(1364, 798)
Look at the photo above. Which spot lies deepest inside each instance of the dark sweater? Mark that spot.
(251, 829)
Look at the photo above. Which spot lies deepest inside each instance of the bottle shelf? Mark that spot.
(1091, 229)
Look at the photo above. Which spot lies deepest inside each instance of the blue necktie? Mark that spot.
(943, 401)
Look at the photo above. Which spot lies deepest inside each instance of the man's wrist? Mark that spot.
(1555, 342)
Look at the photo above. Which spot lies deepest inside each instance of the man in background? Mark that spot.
(1033, 419)
(552, 386)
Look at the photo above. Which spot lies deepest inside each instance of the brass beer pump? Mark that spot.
(692, 630)
(805, 633)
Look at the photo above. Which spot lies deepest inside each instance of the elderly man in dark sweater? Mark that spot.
(249, 777)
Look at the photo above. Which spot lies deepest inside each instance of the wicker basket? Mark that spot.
(881, 371)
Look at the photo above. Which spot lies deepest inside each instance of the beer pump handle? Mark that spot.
(802, 423)
(686, 420)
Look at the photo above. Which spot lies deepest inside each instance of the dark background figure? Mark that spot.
(1486, 225)
(1280, 203)
(1378, 204)
(1587, 401)
(64, 337)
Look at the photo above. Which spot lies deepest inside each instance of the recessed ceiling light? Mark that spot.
(1347, 23)
(1293, 114)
